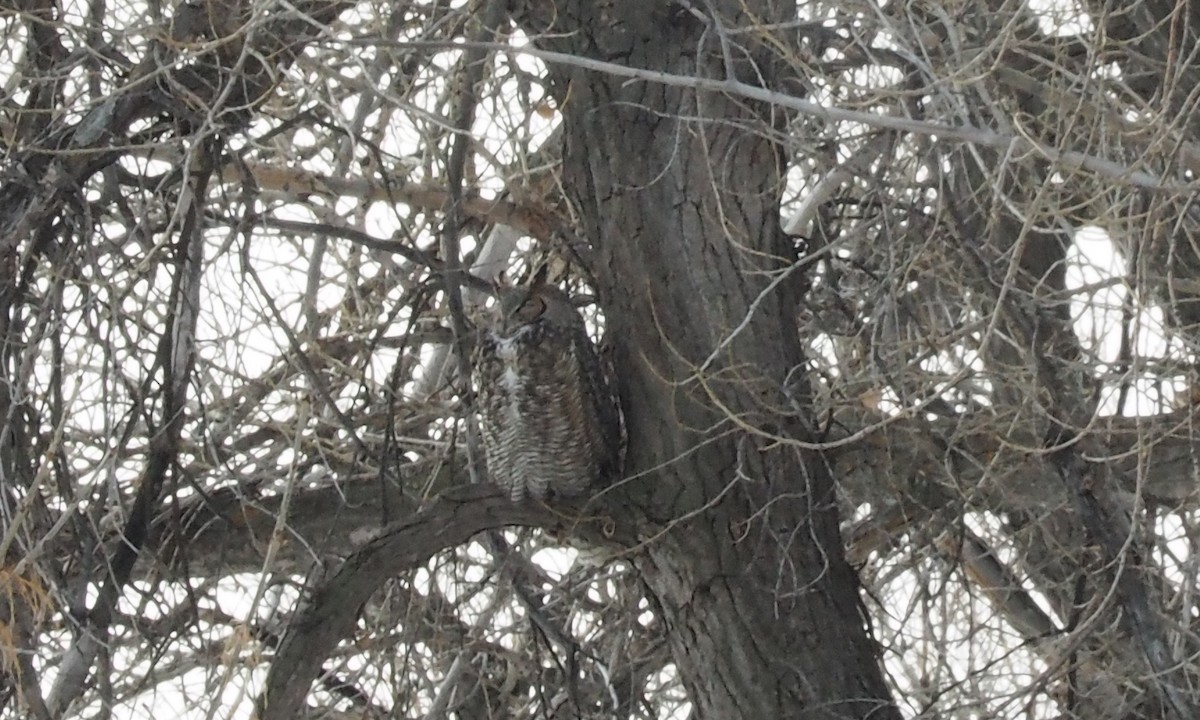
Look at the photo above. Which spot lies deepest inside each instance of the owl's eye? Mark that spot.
(531, 309)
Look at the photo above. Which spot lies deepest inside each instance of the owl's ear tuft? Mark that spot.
(539, 276)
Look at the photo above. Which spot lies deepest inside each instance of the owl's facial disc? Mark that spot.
(530, 310)
(520, 312)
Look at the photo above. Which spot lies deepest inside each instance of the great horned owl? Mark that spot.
(550, 420)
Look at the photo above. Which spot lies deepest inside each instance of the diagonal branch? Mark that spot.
(1013, 143)
(333, 609)
(176, 360)
(1111, 532)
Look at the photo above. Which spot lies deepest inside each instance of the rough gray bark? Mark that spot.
(679, 193)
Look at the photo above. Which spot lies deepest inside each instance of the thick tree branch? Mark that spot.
(1150, 455)
(1109, 528)
(447, 522)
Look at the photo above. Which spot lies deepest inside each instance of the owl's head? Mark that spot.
(537, 303)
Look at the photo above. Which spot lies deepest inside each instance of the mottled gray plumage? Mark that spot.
(550, 420)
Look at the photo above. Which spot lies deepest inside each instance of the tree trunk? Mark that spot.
(678, 191)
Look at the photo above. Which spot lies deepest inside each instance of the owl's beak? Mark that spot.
(502, 328)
